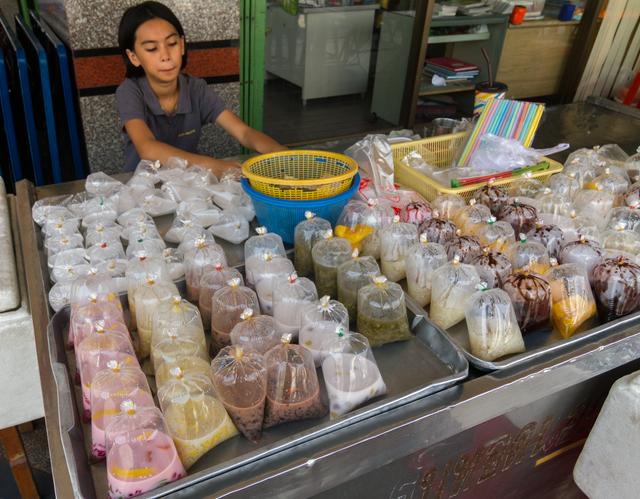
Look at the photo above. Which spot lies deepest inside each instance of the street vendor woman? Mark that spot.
(162, 109)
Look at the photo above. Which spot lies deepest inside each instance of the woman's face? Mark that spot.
(158, 49)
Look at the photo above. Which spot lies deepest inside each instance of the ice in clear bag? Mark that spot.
(493, 267)
(197, 421)
(191, 236)
(451, 286)
(526, 186)
(616, 286)
(470, 218)
(522, 217)
(564, 185)
(149, 298)
(556, 204)
(259, 332)
(492, 325)
(351, 374)
(174, 260)
(395, 240)
(210, 282)
(382, 312)
(293, 390)
(255, 249)
(492, 196)
(228, 304)
(572, 302)
(110, 387)
(60, 228)
(353, 275)
(360, 222)
(421, 261)
(289, 296)
(307, 233)
(318, 323)
(240, 380)
(277, 269)
(531, 298)
(498, 236)
(141, 455)
(198, 261)
(155, 204)
(231, 226)
(101, 184)
(437, 230)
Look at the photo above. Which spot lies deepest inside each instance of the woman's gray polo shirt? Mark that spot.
(197, 105)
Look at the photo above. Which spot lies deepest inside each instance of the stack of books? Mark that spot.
(451, 69)
(475, 8)
(444, 10)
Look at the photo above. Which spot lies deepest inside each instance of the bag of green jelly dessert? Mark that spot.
(382, 313)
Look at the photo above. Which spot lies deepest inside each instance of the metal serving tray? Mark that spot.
(412, 369)
(541, 342)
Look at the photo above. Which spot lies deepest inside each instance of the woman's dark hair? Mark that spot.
(131, 20)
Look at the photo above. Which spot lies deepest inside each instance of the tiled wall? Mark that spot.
(90, 29)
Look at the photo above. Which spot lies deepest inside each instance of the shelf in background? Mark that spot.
(465, 37)
(427, 88)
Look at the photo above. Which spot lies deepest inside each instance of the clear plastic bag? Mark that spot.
(60, 228)
(199, 176)
(259, 332)
(228, 194)
(529, 255)
(109, 231)
(93, 353)
(550, 236)
(353, 275)
(177, 318)
(189, 365)
(140, 453)
(181, 223)
(231, 226)
(149, 246)
(179, 191)
(550, 202)
(492, 325)
(174, 260)
(470, 218)
(416, 212)
(105, 250)
(171, 347)
(526, 186)
(572, 302)
(256, 247)
(293, 390)
(228, 304)
(447, 205)
(594, 205)
(437, 230)
(360, 222)
(91, 317)
(632, 196)
(610, 182)
(101, 184)
(289, 297)
(48, 210)
(210, 282)
(493, 267)
(584, 252)
(466, 247)
(627, 241)
(395, 241)
(197, 421)
(148, 169)
(499, 154)
(375, 158)
(328, 254)
(133, 217)
(522, 217)
(64, 242)
(99, 209)
(616, 286)
(421, 261)
(382, 312)
(497, 236)
(318, 323)
(192, 236)
(623, 218)
(149, 297)
(351, 374)
(306, 235)
(137, 272)
(110, 387)
(155, 204)
(451, 286)
(531, 298)
(610, 153)
(59, 295)
(564, 185)
(69, 265)
(240, 380)
(201, 211)
(199, 260)
(492, 196)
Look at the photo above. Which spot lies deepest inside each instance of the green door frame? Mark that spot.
(253, 16)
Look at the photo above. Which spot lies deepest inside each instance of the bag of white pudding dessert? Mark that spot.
(318, 323)
(395, 241)
(492, 324)
(255, 249)
(289, 296)
(422, 259)
(231, 226)
(265, 275)
(351, 374)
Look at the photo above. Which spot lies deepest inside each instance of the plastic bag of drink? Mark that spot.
(256, 247)
(210, 282)
(307, 234)
(289, 296)
(228, 303)
(353, 275)
(259, 332)
(318, 323)
(531, 298)
(360, 222)
(437, 230)
(395, 240)
(616, 286)
(240, 380)
(422, 259)
(493, 267)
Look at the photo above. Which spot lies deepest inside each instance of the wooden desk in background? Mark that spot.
(534, 57)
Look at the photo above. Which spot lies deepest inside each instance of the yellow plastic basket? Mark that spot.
(440, 152)
(301, 174)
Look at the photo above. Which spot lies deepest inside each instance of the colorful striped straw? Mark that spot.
(505, 118)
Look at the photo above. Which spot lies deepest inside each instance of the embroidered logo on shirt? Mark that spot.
(188, 132)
